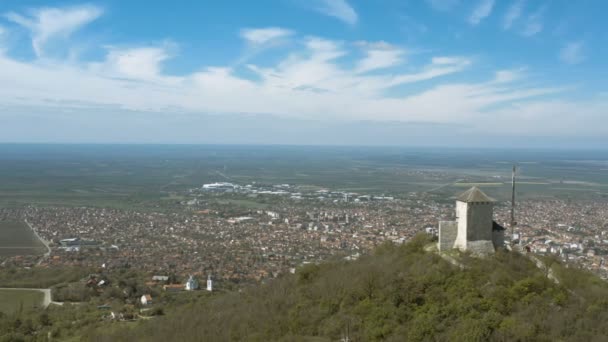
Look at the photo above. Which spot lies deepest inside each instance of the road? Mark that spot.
(444, 185)
(48, 249)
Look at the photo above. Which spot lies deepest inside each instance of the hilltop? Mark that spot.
(400, 292)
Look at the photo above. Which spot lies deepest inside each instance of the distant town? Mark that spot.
(253, 232)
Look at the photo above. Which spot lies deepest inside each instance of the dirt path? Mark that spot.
(48, 249)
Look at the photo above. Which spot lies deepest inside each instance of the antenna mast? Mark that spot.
(513, 223)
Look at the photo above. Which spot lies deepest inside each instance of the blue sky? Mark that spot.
(438, 72)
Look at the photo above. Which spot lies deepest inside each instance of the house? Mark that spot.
(160, 278)
(191, 284)
(173, 287)
(146, 299)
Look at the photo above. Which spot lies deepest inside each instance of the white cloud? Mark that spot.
(310, 83)
(513, 13)
(447, 60)
(379, 56)
(549, 118)
(443, 5)
(507, 76)
(316, 80)
(573, 53)
(483, 9)
(259, 36)
(339, 9)
(142, 63)
(46, 24)
(439, 66)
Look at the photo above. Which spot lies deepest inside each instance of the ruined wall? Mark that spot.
(448, 230)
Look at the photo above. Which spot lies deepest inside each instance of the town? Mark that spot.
(212, 236)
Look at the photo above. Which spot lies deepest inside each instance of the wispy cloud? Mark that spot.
(481, 11)
(573, 53)
(534, 23)
(46, 24)
(507, 76)
(339, 9)
(314, 78)
(443, 5)
(513, 13)
(379, 56)
(259, 36)
(309, 83)
(139, 63)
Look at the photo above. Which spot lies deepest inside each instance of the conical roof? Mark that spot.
(474, 195)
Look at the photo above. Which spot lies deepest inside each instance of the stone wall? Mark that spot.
(448, 230)
(481, 247)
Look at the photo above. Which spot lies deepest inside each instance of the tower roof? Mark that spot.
(474, 195)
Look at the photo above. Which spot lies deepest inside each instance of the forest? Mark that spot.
(401, 292)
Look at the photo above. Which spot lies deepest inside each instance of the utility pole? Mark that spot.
(513, 223)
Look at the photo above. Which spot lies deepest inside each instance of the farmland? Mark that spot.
(16, 238)
(14, 300)
(152, 177)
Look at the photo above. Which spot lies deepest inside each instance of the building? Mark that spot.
(474, 229)
(209, 283)
(173, 287)
(191, 284)
(146, 299)
(160, 278)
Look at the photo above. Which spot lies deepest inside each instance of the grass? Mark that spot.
(12, 301)
(16, 238)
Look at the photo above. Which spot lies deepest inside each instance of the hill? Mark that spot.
(398, 293)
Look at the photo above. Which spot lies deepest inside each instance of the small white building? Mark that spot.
(209, 283)
(146, 299)
(160, 278)
(191, 284)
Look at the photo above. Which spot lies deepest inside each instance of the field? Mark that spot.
(148, 177)
(16, 238)
(13, 300)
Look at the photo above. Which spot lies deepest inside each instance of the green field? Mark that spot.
(153, 177)
(16, 238)
(13, 300)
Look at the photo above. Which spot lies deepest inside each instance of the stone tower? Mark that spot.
(474, 229)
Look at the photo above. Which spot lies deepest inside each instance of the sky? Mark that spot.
(508, 73)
